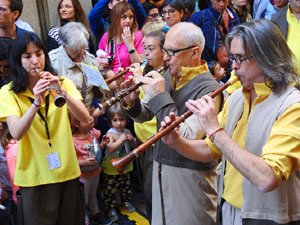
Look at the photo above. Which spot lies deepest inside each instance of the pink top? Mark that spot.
(122, 57)
(82, 152)
(11, 154)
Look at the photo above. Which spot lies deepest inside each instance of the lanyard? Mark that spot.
(44, 118)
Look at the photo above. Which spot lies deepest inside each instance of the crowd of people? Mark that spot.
(234, 161)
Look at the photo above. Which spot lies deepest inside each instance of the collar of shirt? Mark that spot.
(188, 73)
(262, 91)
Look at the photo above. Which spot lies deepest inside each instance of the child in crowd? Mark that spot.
(89, 156)
(5, 186)
(216, 70)
(121, 140)
(10, 147)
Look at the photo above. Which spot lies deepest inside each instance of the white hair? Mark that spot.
(191, 33)
(74, 36)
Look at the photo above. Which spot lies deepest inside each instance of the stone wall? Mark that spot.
(42, 14)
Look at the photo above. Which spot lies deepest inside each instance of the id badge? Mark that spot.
(53, 160)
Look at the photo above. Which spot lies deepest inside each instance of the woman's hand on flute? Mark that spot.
(40, 88)
(171, 137)
(204, 109)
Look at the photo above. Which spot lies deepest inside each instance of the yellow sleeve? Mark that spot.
(69, 86)
(282, 150)
(222, 118)
(8, 103)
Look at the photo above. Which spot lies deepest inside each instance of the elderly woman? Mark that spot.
(67, 58)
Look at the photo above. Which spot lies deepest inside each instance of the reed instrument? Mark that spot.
(120, 95)
(120, 74)
(59, 99)
(122, 162)
(116, 76)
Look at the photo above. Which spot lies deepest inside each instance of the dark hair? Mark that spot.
(5, 46)
(18, 74)
(16, 5)
(160, 36)
(115, 17)
(79, 14)
(176, 4)
(116, 109)
(5, 137)
(149, 6)
(190, 5)
(212, 66)
(263, 40)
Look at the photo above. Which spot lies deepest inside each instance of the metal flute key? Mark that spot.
(59, 99)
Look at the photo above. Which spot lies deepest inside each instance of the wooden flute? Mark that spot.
(59, 99)
(121, 94)
(119, 74)
(122, 162)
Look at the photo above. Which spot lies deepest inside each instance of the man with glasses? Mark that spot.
(152, 12)
(183, 191)
(215, 22)
(256, 134)
(10, 10)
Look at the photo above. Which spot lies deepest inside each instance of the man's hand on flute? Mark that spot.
(204, 109)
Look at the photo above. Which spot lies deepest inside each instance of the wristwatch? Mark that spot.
(131, 51)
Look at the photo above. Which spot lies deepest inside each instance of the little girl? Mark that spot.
(216, 70)
(120, 142)
(85, 139)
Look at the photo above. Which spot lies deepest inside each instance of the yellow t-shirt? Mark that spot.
(32, 165)
(293, 37)
(280, 151)
(145, 130)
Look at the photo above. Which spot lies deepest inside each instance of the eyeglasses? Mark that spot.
(238, 59)
(171, 52)
(3, 10)
(170, 12)
(154, 15)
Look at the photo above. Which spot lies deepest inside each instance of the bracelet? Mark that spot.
(36, 105)
(212, 135)
(131, 50)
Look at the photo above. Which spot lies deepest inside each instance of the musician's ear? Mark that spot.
(196, 52)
